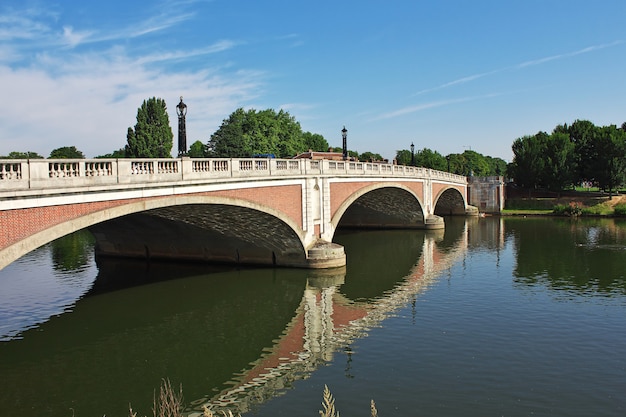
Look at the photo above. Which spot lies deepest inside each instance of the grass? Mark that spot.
(169, 403)
(566, 206)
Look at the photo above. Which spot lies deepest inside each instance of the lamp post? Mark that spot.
(181, 110)
(344, 136)
(448, 159)
(412, 154)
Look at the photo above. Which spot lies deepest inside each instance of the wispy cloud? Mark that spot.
(433, 104)
(104, 84)
(73, 38)
(520, 66)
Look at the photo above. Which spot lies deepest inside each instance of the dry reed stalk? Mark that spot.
(169, 403)
(328, 404)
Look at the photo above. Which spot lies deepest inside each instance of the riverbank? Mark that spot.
(581, 204)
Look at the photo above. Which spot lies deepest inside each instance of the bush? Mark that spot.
(571, 209)
(620, 209)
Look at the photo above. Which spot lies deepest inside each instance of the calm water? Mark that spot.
(493, 317)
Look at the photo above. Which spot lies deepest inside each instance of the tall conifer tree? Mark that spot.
(152, 136)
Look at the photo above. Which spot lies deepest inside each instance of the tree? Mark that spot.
(403, 157)
(609, 162)
(66, 152)
(370, 157)
(315, 142)
(247, 133)
(152, 136)
(120, 153)
(560, 162)
(528, 161)
(430, 159)
(197, 150)
(22, 155)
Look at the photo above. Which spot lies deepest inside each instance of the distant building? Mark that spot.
(333, 156)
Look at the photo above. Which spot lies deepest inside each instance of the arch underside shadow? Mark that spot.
(216, 233)
(384, 208)
(450, 202)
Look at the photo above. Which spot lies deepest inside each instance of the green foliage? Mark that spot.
(468, 163)
(120, 153)
(22, 155)
(430, 159)
(403, 157)
(571, 155)
(370, 157)
(315, 142)
(620, 209)
(67, 152)
(152, 136)
(571, 209)
(247, 133)
(197, 150)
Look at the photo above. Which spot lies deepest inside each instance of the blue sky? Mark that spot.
(448, 75)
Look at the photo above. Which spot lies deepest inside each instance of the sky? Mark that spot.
(447, 75)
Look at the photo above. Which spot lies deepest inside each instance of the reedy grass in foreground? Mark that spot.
(170, 404)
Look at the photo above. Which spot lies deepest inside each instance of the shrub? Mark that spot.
(620, 209)
(571, 209)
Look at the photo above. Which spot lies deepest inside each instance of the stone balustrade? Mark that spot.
(48, 174)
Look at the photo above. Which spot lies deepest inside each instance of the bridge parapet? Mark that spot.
(48, 174)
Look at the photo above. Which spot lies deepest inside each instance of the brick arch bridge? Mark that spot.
(243, 211)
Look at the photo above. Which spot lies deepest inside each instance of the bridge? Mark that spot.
(280, 212)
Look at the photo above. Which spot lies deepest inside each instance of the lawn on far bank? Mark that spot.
(581, 203)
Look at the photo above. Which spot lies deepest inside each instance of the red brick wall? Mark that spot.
(16, 225)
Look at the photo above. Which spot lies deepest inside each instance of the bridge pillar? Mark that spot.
(321, 252)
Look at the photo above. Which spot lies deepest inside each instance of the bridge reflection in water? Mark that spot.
(327, 321)
(113, 347)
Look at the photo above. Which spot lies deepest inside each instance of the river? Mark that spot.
(491, 317)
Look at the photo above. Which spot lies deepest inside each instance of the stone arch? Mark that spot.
(449, 201)
(285, 250)
(381, 205)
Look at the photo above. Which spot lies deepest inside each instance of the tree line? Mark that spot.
(571, 154)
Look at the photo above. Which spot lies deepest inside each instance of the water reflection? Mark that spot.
(45, 283)
(237, 337)
(330, 317)
(585, 256)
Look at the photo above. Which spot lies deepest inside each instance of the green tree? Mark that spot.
(120, 153)
(559, 170)
(66, 152)
(370, 156)
(152, 136)
(197, 150)
(315, 142)
(428, 158)
(247, 133)
(403, 157)
(497, 166)
(608, 164)
(528, 160)
(22, 155)
(583, 134)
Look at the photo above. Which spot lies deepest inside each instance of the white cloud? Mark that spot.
(59, 96)
(72, 38)
(95, 100)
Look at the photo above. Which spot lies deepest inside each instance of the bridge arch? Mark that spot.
(381, 205)
(449, 201)
(230, 230)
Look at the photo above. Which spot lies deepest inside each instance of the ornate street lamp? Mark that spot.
(344, 136)
(448, 159)
(412, 154)
(181, 110)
